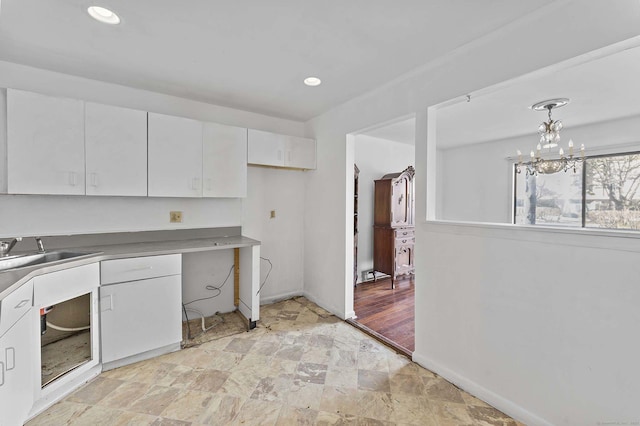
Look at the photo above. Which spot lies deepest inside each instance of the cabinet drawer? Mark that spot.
(139, 268)
(55, 287)
(405, 233)
(15, 305)
(405, 241)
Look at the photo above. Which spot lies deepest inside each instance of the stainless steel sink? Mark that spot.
(22, 261)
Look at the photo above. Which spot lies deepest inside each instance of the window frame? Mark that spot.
(584, 190)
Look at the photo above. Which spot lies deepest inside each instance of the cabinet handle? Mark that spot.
(11, 362)
(22, 303)
(289, 156)
(195, 183)
(94, 179)
(279, 154)
(142, 268)
(104, 306)
(72, 178)
(209, 184)
(1, 373)
(404, 241)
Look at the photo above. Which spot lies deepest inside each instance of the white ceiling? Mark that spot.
(248, 54)
(600, 90)
(402, 131)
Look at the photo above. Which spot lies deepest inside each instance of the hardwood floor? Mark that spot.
(387, 312)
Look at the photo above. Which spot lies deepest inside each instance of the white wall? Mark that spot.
(268, 189)
(375, 158)
(476, 181)
(558, 32)
(282, 237)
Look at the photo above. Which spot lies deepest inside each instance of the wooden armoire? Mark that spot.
(393, 229)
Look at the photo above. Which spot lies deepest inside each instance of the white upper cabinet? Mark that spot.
(175, 156)
(266, 148)
(224, 161)
(45, 144)
(272, 149)
(116, 150)
(300, 153)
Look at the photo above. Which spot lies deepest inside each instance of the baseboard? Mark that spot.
(332, 309)
(350, 315)
(106, 366)
(503, 404)
(278, 297)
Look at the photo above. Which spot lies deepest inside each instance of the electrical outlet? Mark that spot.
(175, 217)
(273, 214)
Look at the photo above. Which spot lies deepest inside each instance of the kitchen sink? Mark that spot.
(24, 260)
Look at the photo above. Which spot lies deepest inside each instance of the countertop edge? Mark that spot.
(13, 279)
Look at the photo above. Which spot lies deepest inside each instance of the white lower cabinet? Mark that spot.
(142, 318)
(16, 372)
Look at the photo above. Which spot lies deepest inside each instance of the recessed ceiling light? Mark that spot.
(103, 15)
(312, 81)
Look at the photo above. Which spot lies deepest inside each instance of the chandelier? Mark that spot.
(550, 138)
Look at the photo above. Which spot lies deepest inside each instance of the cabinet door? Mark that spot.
(45, 144)
(224, 161)
(300, 153)
(116, 150)
(400, 202)
(139, 316)
(17, 367)
(175, 156)
(266, 148)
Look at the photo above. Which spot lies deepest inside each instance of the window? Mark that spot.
(603, 193)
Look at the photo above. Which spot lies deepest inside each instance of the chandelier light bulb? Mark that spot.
(550, 138)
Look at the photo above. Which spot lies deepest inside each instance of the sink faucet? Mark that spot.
(40, 245)
(6, 247)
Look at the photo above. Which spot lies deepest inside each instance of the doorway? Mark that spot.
(386, 313)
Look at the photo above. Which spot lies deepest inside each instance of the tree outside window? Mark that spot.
(610, 198)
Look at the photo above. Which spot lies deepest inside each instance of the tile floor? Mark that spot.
(301, 366)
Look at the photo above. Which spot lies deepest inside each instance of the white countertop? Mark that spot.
(12, 279)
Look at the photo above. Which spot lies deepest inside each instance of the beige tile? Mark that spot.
(102, 416)
(292, 416)
(377, 381)
(450, 414)
(489, 416)
(373, 361)
(257, 412)
(311, 373)
(64, 412)
(326, 419)
(342, 377)
(210, 380)
(375, 405)
(339, 400)
(272, 389)
(343, 358)
(299, 366)
(411, 384)
(413, 410)
(222, 360)
(222, 410)
(304, 395)
(240, 384)
(188, 406)
(126, 395)
(316, 355)
(95, 390)
(441, 390)
(241, 346)
(155, 400)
